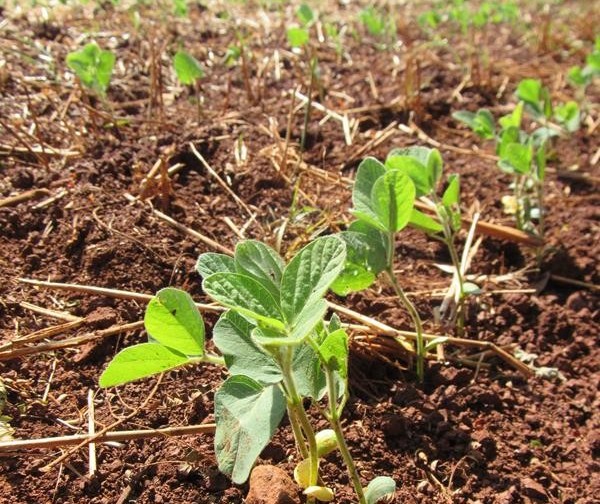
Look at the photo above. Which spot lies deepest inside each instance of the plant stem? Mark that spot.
(334, 420)
(296, 407)
(412, 311)
(297, 430)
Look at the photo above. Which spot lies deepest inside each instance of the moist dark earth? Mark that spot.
(477, 430)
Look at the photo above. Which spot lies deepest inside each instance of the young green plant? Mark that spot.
(299, 38)
(189, 72)
(524, 155)
(425, 166)
(93, 66)
(383, 199)
(277, 347)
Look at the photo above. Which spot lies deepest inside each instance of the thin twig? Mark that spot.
(93, 465)
(103, 437)
(221, 182)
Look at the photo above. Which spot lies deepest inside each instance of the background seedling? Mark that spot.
(299, 38)
(189, 72)
(383, 200)
(424, 166)
(93, 66)
(524, 155)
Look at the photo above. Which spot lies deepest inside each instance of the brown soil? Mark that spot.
(482, 434)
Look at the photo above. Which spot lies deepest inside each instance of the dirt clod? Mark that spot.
(271, 485)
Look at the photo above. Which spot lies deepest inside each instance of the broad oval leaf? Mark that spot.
(452, 193)
(187, 68)
(518, 156)
(297, 37)
(353, 278)
(334, 351)
(309, 274)
(380, 488)
(140, 361)
(377, 259)
(416, 170)
(246, 295)
(261, 262)
(232, 336)
(393, 197)
(428, 157)
(247, 415)
(369, 171)
(308, 319)
(211, 263)
(423, 222)
(173, 320)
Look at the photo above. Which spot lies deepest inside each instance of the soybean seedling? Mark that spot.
(189, 72)
(299, 38)
(383, 199)
(93, 66)
(524, 155)
(424, 166)
(583, 77)
(278, 348)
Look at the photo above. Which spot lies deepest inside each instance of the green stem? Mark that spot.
(297, 430)
(412, 311)
(334, 420)
(297, 409)
(210, 358)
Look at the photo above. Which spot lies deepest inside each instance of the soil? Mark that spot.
(477, 431)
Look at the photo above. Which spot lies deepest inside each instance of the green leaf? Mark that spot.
(513, 119)
(376, 254)
(308, 373)
(308, 319)
(187, 68)
(365, 258)
(469, 288)
(380, 488)
(246, 295)
(530, 91)
(577, 76)
(353, 278)
(430, 158)
(393, 197)
(334, 351)
(309, 274)
(451, 195)
(93, 66)
(543, 134)
(435, 342)
(518, 157)
(232, 336)
(509, 135)
(424, 223)
(140, 361)
(247, 415)
(260, 262)
(415, 170)
(369, 171)
(305, 15)
(466, 117)
(297, 37)
(173, 320)
(482, 122)
(568, 115)
(210, 263)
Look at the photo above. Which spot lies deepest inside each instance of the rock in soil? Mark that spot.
(271, 485)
